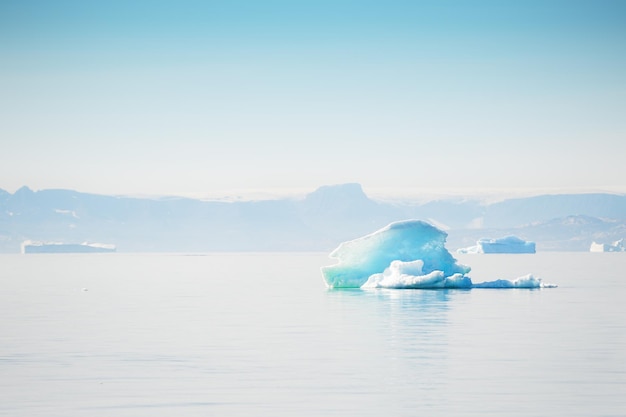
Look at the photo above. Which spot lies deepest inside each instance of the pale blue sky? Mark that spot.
(200, 97)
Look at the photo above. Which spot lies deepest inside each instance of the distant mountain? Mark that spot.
(320, 221)
(570, 233)
(521, 211)
(575, 233)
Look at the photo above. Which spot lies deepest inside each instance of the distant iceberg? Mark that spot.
(617, 246)
(508, 244)
(30, 246)
(406, 254)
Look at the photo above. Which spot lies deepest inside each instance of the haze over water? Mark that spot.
(259, 334)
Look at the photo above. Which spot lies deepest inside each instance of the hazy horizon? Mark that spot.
(212, 98)
(390, 194)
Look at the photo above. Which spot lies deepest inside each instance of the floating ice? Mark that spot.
(509, 244)
(410, 275)
(29, 246)
(406, 254)
(617, 246)
(527, 281)
(404, 241)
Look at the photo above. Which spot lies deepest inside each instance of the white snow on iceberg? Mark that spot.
(406, 254)
(508, 244)
(410, 275)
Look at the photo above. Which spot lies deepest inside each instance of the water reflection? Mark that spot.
(412, 323)
(412, 330)
(405, 302)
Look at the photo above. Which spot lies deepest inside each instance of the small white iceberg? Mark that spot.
(508, 244)
(617, 246)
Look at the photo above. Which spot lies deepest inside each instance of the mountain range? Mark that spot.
(318, 222)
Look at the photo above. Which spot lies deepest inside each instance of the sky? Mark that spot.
(207, 97)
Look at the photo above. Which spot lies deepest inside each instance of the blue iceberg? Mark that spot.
(406, 254)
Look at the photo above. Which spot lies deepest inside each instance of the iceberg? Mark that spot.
(617, 246)
(404, 241)
(408, 254)
(527, 281)
(29, 246)
(508, 244)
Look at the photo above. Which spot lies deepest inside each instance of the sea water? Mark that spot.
(242, 334)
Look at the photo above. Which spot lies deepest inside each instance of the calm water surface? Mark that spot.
(258, 334)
